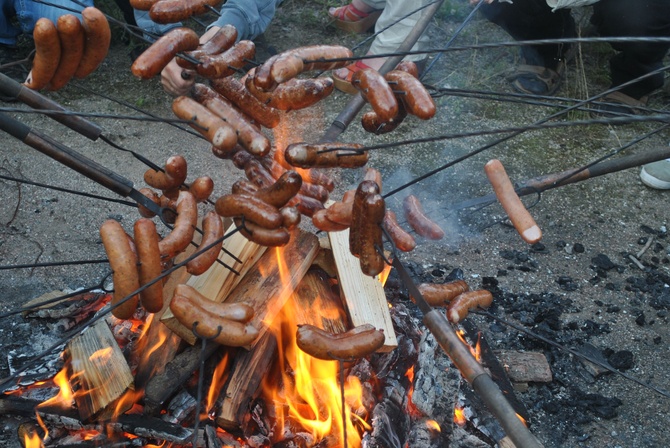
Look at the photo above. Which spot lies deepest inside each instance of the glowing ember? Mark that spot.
(459, 416)
(433, 426)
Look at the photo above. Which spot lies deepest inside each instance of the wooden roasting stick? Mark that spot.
(314, 304)
(364, 296)
(99, 370)
(217, 282)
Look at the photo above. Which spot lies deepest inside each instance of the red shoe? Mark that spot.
(349, 18)
(342, 77)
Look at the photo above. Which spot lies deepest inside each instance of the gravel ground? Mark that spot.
(610, 216)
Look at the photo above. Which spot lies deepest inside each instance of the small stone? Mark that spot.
(602, 261)
(640, 320)
(642, 241)
(578, 248)
(622, 360)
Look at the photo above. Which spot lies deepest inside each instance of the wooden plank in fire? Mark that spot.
(217, 282)
(99, 371)
(313, 303)
(363, 295)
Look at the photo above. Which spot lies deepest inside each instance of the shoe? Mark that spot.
(351, 19)
(656, 175)
(342, 77)
(540, 80)
(618, 103)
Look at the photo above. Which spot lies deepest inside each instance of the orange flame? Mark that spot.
(32, 440)
(459, 416)
(477, 350)
(218, 379)
(384, 274)
(523, 420)
(65, 397)
(311, 394)
(433, 426)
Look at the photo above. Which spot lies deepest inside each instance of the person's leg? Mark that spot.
(8, 30)
(638, 18)
(250, 17)
(29, 12)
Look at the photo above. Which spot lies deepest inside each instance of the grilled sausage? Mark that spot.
(401, 239)
(160, 53)
(365, 189)
(458, 308)
(219, 133)
(201, 188)
(227, 63)
(239, 312)
(294, 94)
(124, 267)
(251, 208)
(71, 35)
(371, 260)
(326, 155)
(262, 236)
(322, 222)
(184, 226)
(212, 231)
(146, 241)
(355, 343)
(47, 54)
(418, 220)
(235, 91)
(282, 191)
(443, 293)
(172, 178)
(224, 38)
(411, 92)
(96, 43)
(376, 91)
(173, 11)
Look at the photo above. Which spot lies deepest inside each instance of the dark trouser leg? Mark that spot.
(533, 19)
(635, 18)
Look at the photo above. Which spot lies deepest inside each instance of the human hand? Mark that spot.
(177, 80)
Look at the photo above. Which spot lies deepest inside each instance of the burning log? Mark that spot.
(99, 370)
(364, 296)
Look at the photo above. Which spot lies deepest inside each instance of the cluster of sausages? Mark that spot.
(356, 343)
(224, 323)
(456, 296)
(68, 49)
(173, 11)
(392, 97)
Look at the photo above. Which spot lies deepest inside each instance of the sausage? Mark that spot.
(201, 188)
(262, 76)
(148, 192)
(252, 208)
(184, 226)
(376, 91)
(244, 186)
(235, 91)
(289, 64)
(371, 260)
(219, 42)
(124, 267)
(401, 239)
(414, 96)
(443, 293)
(312, 176)
(281, 191)
(260, 235)
(316, 176)
(408, 67)
(342, 346)
(173, 11)
(417, 219)
(212, 231)
(326, 155)
(241, 159)
(290, 217)
(294, 94)
(142, 5)
(466, 301)
(247, 136)
(239, 312)
(47, 54)
(232, 333)
(227, 63)
(257, 174)
(219, 133)
(96, 43)
(306, 205)
(172, 178)
(146, 241)
(322, 222)
(502, 186)
(374, 175)
(372, 124)
(71, 35)
(340, 213)
(365, 188)
(314, 191)
(160, 53)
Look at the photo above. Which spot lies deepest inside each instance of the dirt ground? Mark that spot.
(614, 215)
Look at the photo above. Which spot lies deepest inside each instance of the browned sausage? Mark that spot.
(280, 192)
(443, 293)
(71, 35)
(47, 54)
(184, 226)
(401, 239)
(146, 240)
(376, 91)
(212, 231)
(371, 122)
(371, 260)
(173, 11)
(412, 93)
(201, 188)
(294, 94)
(219, 133)
(466, 301)
(172, 178)
(97, 39)
(238, 94)
(340, 212)
(239, 312)
(148, 192)
(257, 174)
(349, 345)
(160, 53)
(365, 189)
(417, 219)
(227, 63)
(124, 267)
(253, 141)
(252, 208)
(264, 237)
(306, 205)
(408, 67)
(244, 186)
(502, 186)
(224, 38)
(326, 155)
(223, 331)
(142, 5)
(322, 222)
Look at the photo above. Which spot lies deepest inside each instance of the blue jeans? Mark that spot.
(20, 16)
